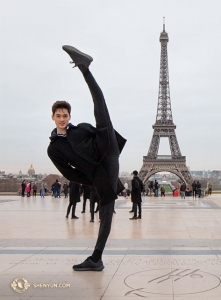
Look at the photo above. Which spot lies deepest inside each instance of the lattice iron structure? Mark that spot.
(164, 127)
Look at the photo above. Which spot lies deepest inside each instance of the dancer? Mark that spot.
(89, 155)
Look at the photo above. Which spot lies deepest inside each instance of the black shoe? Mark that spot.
(92, 221)
(83, 211)
(114, 212)
(89, 265)
(95, 211)
(66, 216)
(133, 218)
(139, 217)
(131, 211)
(74, 217)
(78, 57)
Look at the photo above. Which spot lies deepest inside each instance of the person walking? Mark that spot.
(23, 186)
(74, 198)
(89, 155)
(85, 191)
(162, 190)
(198, 188)
(28, 189)
(43, 187)
(210, 187)
(65, 189)
(194, 188)
(137, 187)
(156, 187)
(56, 188)
(34, 189)
(182, 189)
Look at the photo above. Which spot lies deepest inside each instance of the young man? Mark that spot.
(137, 187)
(89, 155)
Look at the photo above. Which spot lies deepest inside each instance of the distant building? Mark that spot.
(31, 171)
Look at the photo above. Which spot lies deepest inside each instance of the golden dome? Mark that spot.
(31, 168)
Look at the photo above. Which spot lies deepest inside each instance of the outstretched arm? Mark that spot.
(68, 171)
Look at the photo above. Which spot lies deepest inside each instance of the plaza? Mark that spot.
(173, 252)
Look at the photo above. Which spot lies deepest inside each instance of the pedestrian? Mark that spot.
(151, 187)
(57, 186)
(143, 192)
(125, 189)
(28, 189)
(162, 190)
(137, 187)
(210, 187)
(34, 189)
(65, 189)
(43, 186)
(194, 188)
(198, 188)
(85, 191)
(156, 187)
(182, 189)
(89, 155)
(74, 198)
(23, 186)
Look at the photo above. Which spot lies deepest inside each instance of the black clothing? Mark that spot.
(183, 187)
(136, 192)
(198, 185)
(194, 185)
(23, 186)
(85, 190)
(65, 189)
(57, 185)
(194, 189)
(74, 194)
(74, 197)
(136, 195)
(89, 155)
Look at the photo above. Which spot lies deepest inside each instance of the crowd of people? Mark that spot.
(196, 190)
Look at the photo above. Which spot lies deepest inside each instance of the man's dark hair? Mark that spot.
(135, 173)
(61, 104)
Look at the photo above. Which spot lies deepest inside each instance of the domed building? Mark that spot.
(31, 171)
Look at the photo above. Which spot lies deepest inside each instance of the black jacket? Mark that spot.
(183, 187)
(74, 195)
(87, 146)
(136, 191)
(85, 190)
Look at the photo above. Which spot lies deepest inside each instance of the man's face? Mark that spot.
(61, 118)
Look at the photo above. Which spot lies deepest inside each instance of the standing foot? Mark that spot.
(89, 265)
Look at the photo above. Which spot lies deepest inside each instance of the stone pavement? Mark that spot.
(173, 252)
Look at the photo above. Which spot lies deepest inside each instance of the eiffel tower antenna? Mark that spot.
(164, 127)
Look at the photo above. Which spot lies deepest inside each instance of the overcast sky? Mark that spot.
(123, 38)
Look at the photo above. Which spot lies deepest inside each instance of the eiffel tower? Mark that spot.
(164, 127)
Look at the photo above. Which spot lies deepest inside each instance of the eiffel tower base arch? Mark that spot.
(165, 164)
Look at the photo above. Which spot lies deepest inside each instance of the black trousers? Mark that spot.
(111, 160)
(92, 206)
(194, 193)
(84, 204)
(34, 193)
(135, 205)
(73, 204)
